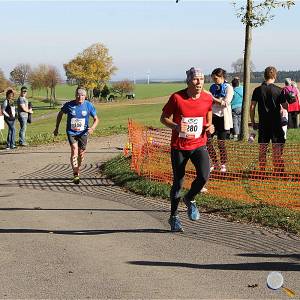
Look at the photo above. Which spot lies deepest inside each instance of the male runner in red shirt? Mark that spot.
(189, 114)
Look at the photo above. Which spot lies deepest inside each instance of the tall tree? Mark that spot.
(53, 78)
(37, 78)
(91, 68)
(3, 82)
(253, 14)
(238, 67)
(19, 75)
(122, 87)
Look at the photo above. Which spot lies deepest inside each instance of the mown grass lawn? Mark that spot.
(113, 119)
(142, 91)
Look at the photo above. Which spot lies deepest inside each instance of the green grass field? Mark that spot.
(142, 91)
(113, 119)
(113, 116)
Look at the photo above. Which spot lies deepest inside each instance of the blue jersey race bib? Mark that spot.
(78, 116)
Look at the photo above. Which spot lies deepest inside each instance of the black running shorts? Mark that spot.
(80, 139)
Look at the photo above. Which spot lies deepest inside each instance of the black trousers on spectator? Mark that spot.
(293, 119)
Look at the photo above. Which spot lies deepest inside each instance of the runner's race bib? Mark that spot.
(194, 127)
(77, 124)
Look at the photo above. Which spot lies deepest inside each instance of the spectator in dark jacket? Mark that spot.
(9, 112)
(270, 102)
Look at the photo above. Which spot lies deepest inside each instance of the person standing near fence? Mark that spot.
(78, 113)
(236, 107)
(271, 101)
(294, 108)
(189, 114)
(9, 112)
(23, 111)
(222, 93)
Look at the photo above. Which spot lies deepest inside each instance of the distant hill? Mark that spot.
(256, 77)
(281, 75)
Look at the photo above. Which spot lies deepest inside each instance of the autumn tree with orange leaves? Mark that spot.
(122, 87)
(91, 68)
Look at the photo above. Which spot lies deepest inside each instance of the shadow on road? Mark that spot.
(257, 266)
(81, 209)
(293, 256)
(83, 231)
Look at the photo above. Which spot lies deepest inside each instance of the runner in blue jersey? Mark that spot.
(78, 113)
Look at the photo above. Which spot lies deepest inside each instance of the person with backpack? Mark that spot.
(236, 107)
(294, 107)
(9, 112)
(271, 101)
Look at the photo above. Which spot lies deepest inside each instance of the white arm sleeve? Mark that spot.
(229, 95)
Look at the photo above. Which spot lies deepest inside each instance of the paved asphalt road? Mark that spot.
(95, 240)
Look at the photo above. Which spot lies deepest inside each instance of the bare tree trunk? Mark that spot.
(51, 96)
(247, 70)
(54, 94)
(47, 93)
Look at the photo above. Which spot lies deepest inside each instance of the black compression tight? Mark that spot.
(200, 159)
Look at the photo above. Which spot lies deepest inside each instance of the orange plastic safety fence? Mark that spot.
(252, 172)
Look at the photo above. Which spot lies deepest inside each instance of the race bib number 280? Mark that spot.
(77, 124)
(194, 127)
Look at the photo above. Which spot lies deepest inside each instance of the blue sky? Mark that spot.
(162, 37)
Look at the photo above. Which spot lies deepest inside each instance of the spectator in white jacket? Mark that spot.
(222, 93)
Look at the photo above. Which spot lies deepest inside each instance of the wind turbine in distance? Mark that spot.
(148, 77)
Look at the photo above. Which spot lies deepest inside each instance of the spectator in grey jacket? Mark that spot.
(23, 111)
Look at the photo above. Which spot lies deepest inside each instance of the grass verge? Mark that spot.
(118, 170)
